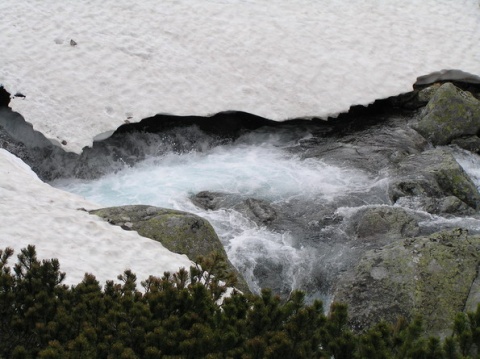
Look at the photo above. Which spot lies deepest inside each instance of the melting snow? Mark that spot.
(284, 59)
(33, 212)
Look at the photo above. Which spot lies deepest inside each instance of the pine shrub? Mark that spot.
(187, 315)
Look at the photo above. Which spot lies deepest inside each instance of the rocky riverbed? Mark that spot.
(405, 242)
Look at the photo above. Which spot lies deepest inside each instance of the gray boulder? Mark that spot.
(259, 211)
(433, 174)
(178, 231)
(431, 276)
(383, 223)
(451, 113)
(426, 94)
(470, 143)
(213, 201)
(371, 150)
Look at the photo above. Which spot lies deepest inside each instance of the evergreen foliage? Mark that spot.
(185, 315)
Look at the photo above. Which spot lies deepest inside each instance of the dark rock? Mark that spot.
(471, 143)
(267, 275)
(215, 200)
(4, 97)
(456, 76)
(450, 114)
(179, 232)
(431, 276)
(260, 211)
(420, 97)
(444, 205)
(433, 173)
(426, 94)
(371, 150)
(383, 223)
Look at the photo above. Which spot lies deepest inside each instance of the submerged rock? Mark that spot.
(451, 113)
(431, 276)
(215, 200)
(259, 211)
(178, 231)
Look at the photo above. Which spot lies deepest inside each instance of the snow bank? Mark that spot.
(33, 212)
(278, 59)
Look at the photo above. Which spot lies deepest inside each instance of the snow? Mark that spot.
(278, 59)
(133, 59)
(32, 212)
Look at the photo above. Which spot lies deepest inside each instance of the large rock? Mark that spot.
(370, 149)
(209, 200)
(451, 113)
(434, 174)
(383, 223)
(178, 231)
(259, 211)
(431, 276)
(469, 143)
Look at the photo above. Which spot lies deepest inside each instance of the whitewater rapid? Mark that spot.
(255, 166)
(265, 166)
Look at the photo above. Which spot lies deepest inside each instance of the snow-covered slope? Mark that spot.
(32, 212)
(277, 59)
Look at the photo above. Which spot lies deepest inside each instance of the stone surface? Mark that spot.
(427, 93)
(259, 211)
(215, 200)
(451, 113)
(178, 231)
(431, 276)
(385, 223)
(470, 143)
(371, 149)
(433, 173)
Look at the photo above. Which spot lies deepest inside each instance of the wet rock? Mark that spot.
(260, 211)
(371, 150)
(431, 276)
(267, 273)
(459, 78)
(450, 114)
(449, 205)
(179, 232)
(215, 200)
(433, 173)
(471, 143)
(383, 223)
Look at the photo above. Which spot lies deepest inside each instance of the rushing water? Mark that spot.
(255, 166)
(260, 165)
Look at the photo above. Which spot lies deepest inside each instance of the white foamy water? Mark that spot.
(260, 171)
(264, 172)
